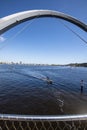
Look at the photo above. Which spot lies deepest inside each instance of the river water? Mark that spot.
(24, 90)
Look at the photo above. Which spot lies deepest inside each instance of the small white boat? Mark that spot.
(49, 81)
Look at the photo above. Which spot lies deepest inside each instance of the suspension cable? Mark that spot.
(14, 36)
(20, 31)
(74, 32)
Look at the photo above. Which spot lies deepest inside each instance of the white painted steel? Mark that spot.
(44, 118)
(10, 21)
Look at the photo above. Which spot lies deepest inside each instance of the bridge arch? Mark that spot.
(10, 21)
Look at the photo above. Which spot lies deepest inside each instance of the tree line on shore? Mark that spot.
(71, 64)
(78, 64)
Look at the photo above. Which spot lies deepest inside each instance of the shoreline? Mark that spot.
(36, 64)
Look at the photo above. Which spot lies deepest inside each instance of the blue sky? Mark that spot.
(44, 40)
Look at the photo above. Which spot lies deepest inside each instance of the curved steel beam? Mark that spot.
(12, 20)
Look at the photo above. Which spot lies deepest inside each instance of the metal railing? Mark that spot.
(26, 122)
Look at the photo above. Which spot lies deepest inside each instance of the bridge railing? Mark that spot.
(23, 122)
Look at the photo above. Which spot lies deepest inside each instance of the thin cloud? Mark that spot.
(2, 39)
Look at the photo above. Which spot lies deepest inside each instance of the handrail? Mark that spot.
(42, 117)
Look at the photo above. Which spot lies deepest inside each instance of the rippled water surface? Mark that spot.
(24, 90)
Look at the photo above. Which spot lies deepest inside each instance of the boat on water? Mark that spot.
(49, 81)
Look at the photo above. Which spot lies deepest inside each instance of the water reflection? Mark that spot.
(24, 90)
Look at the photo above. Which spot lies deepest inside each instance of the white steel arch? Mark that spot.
(10, 21)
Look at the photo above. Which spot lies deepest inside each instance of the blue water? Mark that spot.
(24, 90)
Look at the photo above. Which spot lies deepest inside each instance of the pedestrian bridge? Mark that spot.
(10, 21)
(22, 122)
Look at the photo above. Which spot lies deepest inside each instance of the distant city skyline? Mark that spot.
(44, 40)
